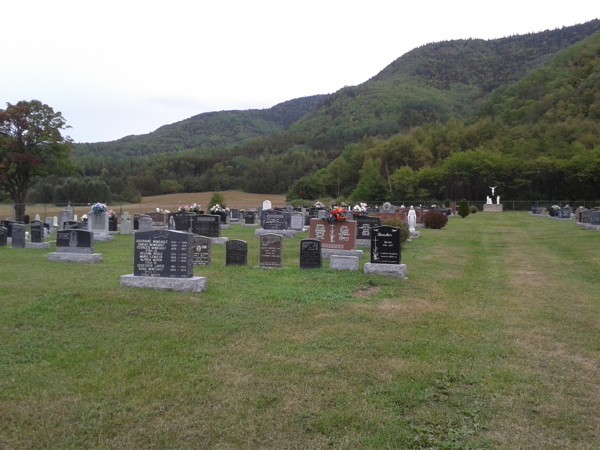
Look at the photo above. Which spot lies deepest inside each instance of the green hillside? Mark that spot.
(538, 138)
(207, 131)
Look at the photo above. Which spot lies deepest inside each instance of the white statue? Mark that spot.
(489, 200)
(412, 219)
(498, 200)
(493, 188)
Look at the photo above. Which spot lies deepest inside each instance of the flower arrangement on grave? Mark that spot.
(319, 205)
(111, 213)
(219, 209)
(184, 208)
(195, 208)
(360, 210)
(99, 208)
(164, 211)
(84, 217)
(338, 214)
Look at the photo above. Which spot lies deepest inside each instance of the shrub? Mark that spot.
(396, 221)
(447, 203)
(216, 199)
(435, 219)
(473, 209)
(463, 209)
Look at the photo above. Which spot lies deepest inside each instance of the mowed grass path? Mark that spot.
(492, 343)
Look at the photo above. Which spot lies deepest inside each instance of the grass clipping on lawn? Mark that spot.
(492, 343)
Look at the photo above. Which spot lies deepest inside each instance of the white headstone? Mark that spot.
(74, 216)
(37, 217)
(55, 221)
(266, 204)
(98, 223)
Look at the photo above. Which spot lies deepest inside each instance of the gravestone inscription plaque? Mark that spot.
(310, 254)
(75, 241)
(335, 235)
(271, 250)
(564, 213)
(236, 253)
(163, 253)
(179, 221)
(206, 225)
(274, 220)
(385, 245)
(202, 251)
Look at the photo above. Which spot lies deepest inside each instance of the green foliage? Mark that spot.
(31, 145)
(435, 219)
(79, 190)
(396, 221)
(474, 209)
(463, 208)
(447, 203)
(307, 188)
(216, 199)
(170, 187)
(372, 186)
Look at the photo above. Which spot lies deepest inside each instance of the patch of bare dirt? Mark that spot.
(368, 292)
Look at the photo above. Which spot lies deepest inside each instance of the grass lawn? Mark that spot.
(492, 343)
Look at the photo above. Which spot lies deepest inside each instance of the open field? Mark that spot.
(233, 199)
(492, 343)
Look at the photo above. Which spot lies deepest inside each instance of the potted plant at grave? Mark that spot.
(195, 208)
(221, 211)
(338, 214)
(99, 208)
(359, 210)
(184, 208)
(111, 213)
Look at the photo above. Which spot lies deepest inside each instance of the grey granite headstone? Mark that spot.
(98, 223)
(18, 235)
(145, 223)
(126, 224)
(321, 214)
(297, 221)
(271, 250)
(64, 216)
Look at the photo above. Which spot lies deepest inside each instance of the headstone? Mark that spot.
(98, 223)
(145, 224)
(112, 223)
(26, 219)
(37, 231)
(335, 235)
(75, 241)
(236, 253)
(126, 224)
(235, 214)
(202, 251)
(297, 221)
(37, 217)
(180, 221)
(72, 225)
(163, 253)
(8, 224)
(385, 245)
(310, 254)
(74, 216)
(364, 225)
(387, 207)
(206, 225)
(18, 235)
(158, 218)
(274, 220)
(49, 221)
(586, 216)
(536, 210)
(64, 216)
(321, 214)
(55, 221)
(266, 205)
(595, 217)
(271, 250)
(249, 218)
(3, 236)
(564, 213)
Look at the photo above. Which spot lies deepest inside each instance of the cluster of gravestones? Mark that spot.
(584, 217)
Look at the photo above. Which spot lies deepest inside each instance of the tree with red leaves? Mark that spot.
(31, 145)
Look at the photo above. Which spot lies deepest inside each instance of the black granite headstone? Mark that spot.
(249, 218)
(364, 225)
(163, 253)
(3, 236)
(75, 241)
(26, 219)
(202, 251)
(236, 253)
(112, 223)
(37, 231)
(274, 220)
(180, 221)
(206, 225)
(385, 245)
(310, 254)
(8, 223)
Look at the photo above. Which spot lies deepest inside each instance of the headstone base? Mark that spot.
(225, 226)
(415, 234)
(219, 240)
(284, 233)
(250, 224)
(492, 208)
(363, 243)
(274, 267)
(339, 262)
(103, 237)
(589, 226)
(76, 257)
(326, 253)
(112, 233)
(580, 224)
(389, 270)
(194, 284)
(37, 245)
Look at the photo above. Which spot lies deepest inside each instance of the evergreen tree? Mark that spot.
(463, 209)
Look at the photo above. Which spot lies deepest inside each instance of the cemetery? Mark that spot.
(345, 314)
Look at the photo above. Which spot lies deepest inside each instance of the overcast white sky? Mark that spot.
(115, 68)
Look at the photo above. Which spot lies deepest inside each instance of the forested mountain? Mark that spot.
(536, 139)
(443, 120)
(207, 131)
